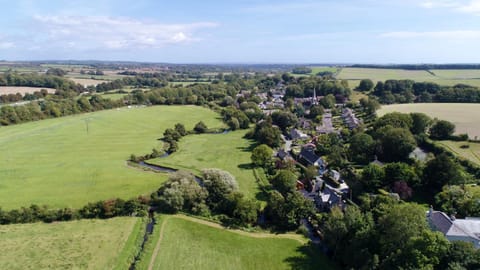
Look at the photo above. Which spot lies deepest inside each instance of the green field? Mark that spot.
(465, 116)
(230, 152)
(114, 96)
(471, 153)
(188, 243)
(80, 244)
(58, 163)
(442, 77)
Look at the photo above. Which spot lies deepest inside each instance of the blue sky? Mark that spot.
(304, 31)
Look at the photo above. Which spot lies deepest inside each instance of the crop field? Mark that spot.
(69, 161)
(442, 77)
(229, 152)
(80, 244)
(182, 242)
(465, 116)
(22, 89)
(86, 81)
(472, 152)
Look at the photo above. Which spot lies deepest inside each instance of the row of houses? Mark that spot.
(322, 194)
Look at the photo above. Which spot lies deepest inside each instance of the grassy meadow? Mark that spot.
(80, 244)
(69, 161)
(465, 116)
(187, 243)
(230, 152)
(471, 153)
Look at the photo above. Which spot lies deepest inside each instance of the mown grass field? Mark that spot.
(229, 152)
(114, 96)
(471, 153)
(465, 116)
(80, 244)
(442, 77)
(58, 163)
(188, 243)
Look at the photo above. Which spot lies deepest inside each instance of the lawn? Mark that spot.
(229, 152)
(465, 116)
(471, 153)
(69, 161)
(187, 243)
(80, 244)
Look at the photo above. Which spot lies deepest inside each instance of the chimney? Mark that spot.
(452, 217)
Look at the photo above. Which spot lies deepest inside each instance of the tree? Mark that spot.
(219, 185)
(420, 123)
(261, 155)
(361, 148)
(200, 127)
(284, 181)
(399, 171)
(286, 212)
(365, 85)
(442, 130)
(243, 211)
(171, 135)
(328, 101)
(315, 111)
(181, 192)
(370, 105)
(395, 119)
(395, 144)
(180, 128)
(440, 171)
(373, 177)
(284, 120)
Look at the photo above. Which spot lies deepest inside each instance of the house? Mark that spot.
(296, 134)
(308, 156)
(282, 154)
(350, 119)
(466, 230)
(327, 126)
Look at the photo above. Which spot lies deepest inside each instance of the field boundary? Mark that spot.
(157, 246)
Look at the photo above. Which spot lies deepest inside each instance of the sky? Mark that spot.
(242, 31)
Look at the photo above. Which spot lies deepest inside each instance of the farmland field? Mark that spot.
(442, 77)
(80, 244)
(22, 90)
(228, 152)
(69, 161)
(464, 115)
(86, 81)
(471, 153)
(187, 243)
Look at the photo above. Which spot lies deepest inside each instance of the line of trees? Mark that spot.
(407, 91)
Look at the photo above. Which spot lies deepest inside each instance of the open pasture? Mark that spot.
(465, 116)
(70, 161)
(229, 152)
(80, 244)
(181, 242)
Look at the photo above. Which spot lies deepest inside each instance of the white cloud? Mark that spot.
(470, 6)
(6, 45)
(458, 34)
(113, 33)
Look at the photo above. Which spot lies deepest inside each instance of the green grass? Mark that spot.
(186, 244)
(229, 152)
(80, 244)
(56, 162)
(471, 153)
(465, 116)
(442, 77)
(114, 96)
